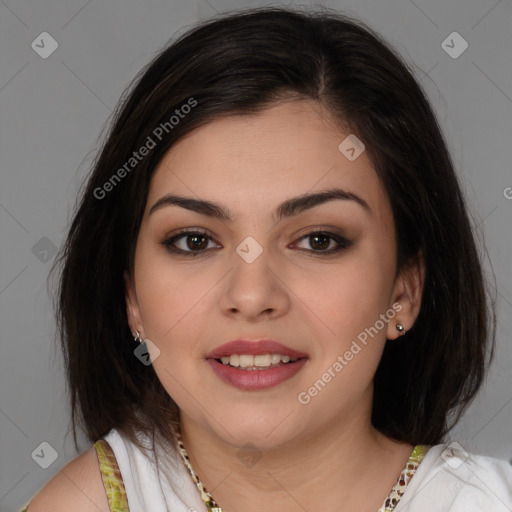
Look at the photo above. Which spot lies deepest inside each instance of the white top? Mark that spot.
(151, 487)
(447, 480)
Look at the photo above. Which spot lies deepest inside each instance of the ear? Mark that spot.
(407, 293)
(132, 306)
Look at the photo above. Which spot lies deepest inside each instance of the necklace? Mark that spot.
(210, 503)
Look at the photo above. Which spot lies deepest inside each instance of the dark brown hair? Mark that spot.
(240, 63)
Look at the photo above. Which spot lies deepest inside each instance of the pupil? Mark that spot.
(195, 245)
(325, 238)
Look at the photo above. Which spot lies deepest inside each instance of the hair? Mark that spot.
(239, 64)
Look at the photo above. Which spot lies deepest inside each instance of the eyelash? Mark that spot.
(168, 242)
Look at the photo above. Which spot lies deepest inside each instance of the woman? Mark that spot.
(271, 296)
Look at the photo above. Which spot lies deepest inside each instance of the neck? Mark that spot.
(348, 463)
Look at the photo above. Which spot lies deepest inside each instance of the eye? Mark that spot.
(194, 242)
(322, 240)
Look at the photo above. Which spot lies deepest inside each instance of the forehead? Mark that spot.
(251, 163)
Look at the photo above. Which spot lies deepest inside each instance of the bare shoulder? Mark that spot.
(78, 486)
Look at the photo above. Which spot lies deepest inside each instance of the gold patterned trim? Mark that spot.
(111, 476)
(406, 474)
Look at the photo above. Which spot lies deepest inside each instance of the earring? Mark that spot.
(137, 337)
(400, 328)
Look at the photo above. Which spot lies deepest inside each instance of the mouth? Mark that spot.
(255, 365)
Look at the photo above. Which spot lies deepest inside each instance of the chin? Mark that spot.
(266, 432)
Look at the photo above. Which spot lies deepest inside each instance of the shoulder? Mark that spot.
(78, 486)
(450, 476)
(492, 477)
(454, 459)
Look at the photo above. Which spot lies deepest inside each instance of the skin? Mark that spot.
(291, 293)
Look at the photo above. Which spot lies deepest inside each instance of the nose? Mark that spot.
(255, 287)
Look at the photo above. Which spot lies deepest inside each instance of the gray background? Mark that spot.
(52, 111)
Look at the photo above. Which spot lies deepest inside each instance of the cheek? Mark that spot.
(351, 334)
(164, 291)
(175, 301)
(171, 300)
(355, 291)
(345, 305)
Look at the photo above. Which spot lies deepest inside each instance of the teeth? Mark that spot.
(262, 360)
(275, 358)
(246, 361)
(259, 361)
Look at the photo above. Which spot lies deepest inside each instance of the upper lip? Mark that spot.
(254, 347)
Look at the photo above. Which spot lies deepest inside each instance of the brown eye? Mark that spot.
(191, 242)
(321, 240)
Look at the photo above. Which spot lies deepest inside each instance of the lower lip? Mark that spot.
(250, 380)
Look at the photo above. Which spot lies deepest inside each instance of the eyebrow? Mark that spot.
(288, 208)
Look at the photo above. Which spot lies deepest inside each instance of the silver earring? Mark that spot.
(137, 337)
(400, 328)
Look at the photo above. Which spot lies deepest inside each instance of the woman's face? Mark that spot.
(256, 276)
